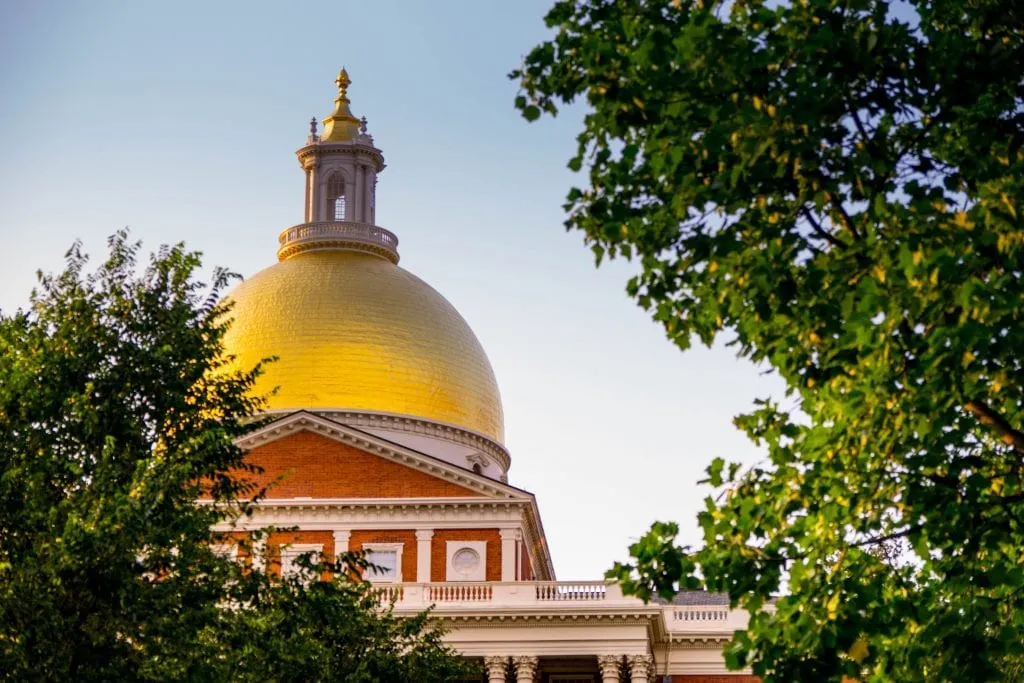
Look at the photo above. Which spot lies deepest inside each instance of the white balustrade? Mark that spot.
(585, 595)
(700, 614)
(584, 590)
(458, 592)
(302, 236)
(388, 593)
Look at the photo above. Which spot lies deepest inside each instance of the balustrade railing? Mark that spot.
(458, 592)
(555, 595)
(700, 614)
(587, 590)
(320, 234)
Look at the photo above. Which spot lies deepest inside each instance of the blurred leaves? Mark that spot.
(836, 187)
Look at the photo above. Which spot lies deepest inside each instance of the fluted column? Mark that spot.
(641, 668)
(610, 666)
(526, 668)
(496, 668)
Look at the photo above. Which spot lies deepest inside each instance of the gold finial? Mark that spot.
(341, 125)
(343, 81)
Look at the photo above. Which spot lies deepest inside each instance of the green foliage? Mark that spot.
(117, 413)
(836, 187)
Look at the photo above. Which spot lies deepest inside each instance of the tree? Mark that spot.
(117, 413)
(835, 188)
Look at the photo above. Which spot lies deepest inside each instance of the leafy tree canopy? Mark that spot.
(835, 187)
(118, 412)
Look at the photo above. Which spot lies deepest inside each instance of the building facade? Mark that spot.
(387, 437)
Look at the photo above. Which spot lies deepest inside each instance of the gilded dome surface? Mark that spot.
(353, 331)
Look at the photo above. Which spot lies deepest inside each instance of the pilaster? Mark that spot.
(341, 537)
(509, 538)
(423, 551)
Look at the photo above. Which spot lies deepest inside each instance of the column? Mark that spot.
(312, 210)
(526, 668)
(610, 666)
(259, 553)
(641, 668)
(423, 548)
(508, 553)
(341, 537)
(496, 668)
(355, 208)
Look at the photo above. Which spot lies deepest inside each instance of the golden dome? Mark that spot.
(353, 331)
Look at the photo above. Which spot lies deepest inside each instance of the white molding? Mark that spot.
(453, 547)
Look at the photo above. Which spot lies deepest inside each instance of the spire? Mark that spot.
(341, 126)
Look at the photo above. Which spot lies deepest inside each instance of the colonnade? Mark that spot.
(613, 668)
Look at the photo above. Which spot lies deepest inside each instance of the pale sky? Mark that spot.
(181, 120)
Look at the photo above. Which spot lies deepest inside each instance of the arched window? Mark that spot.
(336, 197)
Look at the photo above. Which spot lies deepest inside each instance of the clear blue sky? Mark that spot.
(181, 119)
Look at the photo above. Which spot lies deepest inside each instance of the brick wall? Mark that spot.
(439, 550)
(525, 570)
(308, 464)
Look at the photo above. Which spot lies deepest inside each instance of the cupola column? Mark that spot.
(357, 196)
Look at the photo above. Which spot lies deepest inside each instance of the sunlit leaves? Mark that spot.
(836, 187)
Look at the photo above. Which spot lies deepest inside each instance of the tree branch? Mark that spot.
(990, 418)
(822, 232)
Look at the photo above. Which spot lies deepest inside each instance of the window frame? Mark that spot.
(396, 548)
(452, 548)
(290, 551)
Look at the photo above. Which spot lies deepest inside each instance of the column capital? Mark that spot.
(611, 668)
(341, 537)
(496, 668)
(424, 534)
(641, 668)
(526, 668)
(510, 534)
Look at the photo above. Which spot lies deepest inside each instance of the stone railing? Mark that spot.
(501, 594)
(338, 235)
(559, 596)
(704, 618)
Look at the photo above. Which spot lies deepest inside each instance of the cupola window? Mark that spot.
(336, 198)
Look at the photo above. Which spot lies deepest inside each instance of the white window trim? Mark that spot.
(227, 551)
(479, 547)
(386, 547)
(293, 550)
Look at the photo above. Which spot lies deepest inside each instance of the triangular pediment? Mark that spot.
(313, 456)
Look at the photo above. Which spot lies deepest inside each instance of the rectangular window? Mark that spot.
(290, 554)
(386, 559)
